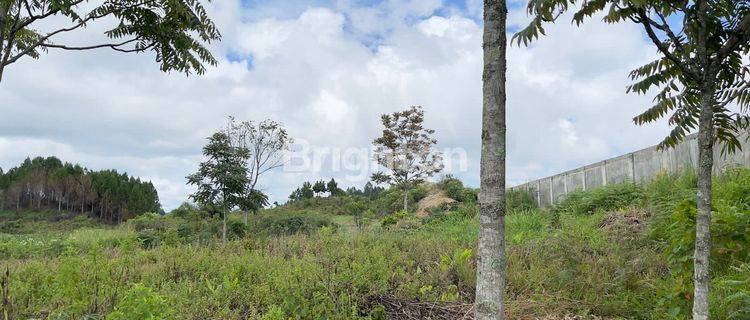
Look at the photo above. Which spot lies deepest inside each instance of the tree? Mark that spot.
(405, 150)
(354, 192)
(253, 200)
(319, 187)
(333, 188)
(175, 30)
(371, 191)
(700, 75)
(302, 193)
(265, 142)
(221, 178)
(48, 183)
(491, 249)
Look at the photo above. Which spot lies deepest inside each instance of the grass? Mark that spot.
(621, 252)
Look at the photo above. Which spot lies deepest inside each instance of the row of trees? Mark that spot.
(369, 191)
(319, 188)
(49, 184)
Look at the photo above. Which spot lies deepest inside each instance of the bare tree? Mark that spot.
(265, 142)
(405, 149)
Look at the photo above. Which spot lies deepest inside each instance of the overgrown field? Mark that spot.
(621, 252)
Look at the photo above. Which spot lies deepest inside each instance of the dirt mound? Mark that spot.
(431, 201)
(632, 220)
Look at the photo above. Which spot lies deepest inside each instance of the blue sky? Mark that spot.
(327, 70)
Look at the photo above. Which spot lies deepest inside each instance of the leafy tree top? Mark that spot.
(405, 149)
(222, 177)
(703, 47)
(175, 30)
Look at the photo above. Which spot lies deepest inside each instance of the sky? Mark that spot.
(327, 70)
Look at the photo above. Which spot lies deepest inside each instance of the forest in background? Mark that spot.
(49, 184)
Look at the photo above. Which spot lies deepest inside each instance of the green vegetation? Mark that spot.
(623, 251)
(49, 184)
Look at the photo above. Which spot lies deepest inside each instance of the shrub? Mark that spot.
(607, 198)
(417, 194)
(286, 224)
(469, 195)
(467, 210)
(10, 226)
(731, 294)
(452, 187)
(519, 200)
(236, 229)
(186, 210)
(141, 303)
(392, 219)
(148, 238)
(732, 188)
(148, 221)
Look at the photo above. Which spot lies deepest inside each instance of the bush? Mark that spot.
(141, 303)
(185, 210)
(469, 195)
(286, 224)
(10, 226)
(148, 221)
(417, 194)
(236, 229)
(519, 200)
(392, 219)
(148, 238)
(452, 187)
(607, 198)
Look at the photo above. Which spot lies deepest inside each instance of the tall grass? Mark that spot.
(623, 251)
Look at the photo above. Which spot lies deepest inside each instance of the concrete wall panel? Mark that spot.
(619, 169)
(593, 177)
(545, 191)
(558, 187)
(574, 181)
(642, 166)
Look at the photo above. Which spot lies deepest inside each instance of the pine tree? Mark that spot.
(319, 187)
(333, 188)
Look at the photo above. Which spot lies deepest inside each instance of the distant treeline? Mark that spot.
(49, 184)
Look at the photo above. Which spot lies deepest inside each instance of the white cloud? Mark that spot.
(327, 74)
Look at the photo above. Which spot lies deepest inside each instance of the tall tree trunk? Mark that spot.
(491, 254)
(406, 200)
(701, 269)
(244, 217)
(224, 227)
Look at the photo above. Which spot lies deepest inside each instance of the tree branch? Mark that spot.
(33, 18)
(738, 36)
(663, 48)
(668, 31)
(113, 46)
(46, 37)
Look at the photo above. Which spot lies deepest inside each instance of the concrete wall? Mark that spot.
(640, 166)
